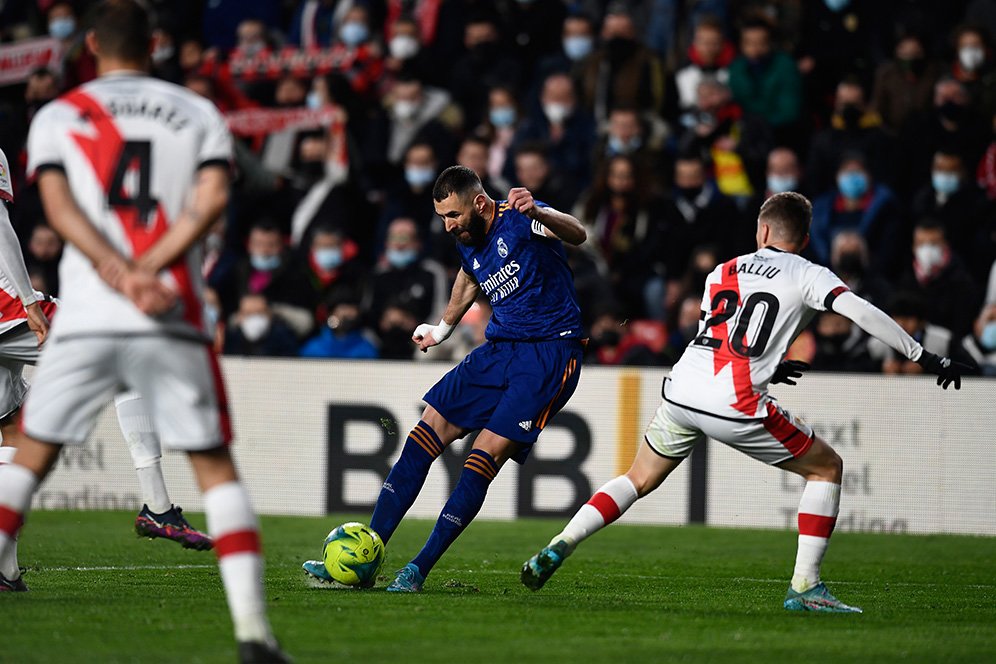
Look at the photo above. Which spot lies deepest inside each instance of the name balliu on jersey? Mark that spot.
(754, 307)
(130, 147)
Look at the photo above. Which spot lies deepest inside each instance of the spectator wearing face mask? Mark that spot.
(614, 341)
(317, 22)
(951, 124)
(410, 196)
(577, 44)
(628, 134)
(268, 269)
(938, 277)
(850, 260)
(953, 199)
(565, 127)
(783, 173)
(334, 271)
(342, 336)
(904, 85)
(854, 127)
(489, 60)
(973, 67)
(406, 277)
(912, 312)
(981, 344)
(406, 55)
(857, 203)
(418, 113)
(257, 332)
(498, 130)
(395, 327)
(840, 345)
(625, 72)
(684, 329)
(78, 64)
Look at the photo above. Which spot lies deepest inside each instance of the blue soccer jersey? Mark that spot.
(525, 276)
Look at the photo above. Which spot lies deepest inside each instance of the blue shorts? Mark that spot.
(511, 388)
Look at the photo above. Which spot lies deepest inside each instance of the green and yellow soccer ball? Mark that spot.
(353, 555)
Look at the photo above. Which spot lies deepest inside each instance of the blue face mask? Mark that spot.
(418, 177)
(264, 263)
(836, 5)
(988, 338)
(354, 33)
(400, 258)
(619, 146)
(779, 184)
(852, 184)
(62, 28)
(578, 47)
(945, 182)
(502, 116)
(328, 258)
(313, 101)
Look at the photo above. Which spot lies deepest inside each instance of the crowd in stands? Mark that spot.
(661, 124)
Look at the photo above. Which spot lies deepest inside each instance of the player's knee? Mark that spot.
(830, 467)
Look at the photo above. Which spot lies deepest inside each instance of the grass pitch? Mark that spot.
(630, 594)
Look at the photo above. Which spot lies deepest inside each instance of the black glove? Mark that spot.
(946, 370)
(788, 370)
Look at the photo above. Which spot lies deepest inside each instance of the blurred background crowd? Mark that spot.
(661, 124)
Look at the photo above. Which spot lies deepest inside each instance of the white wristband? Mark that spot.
(442, 332)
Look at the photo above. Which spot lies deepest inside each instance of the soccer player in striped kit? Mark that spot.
(753, 307)
(132, 171)
(510, 387)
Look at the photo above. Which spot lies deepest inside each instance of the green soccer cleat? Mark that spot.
(537, 570)
(408, 580)
(817, 598)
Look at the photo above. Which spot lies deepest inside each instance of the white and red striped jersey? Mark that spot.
(11, 305)
(130, 146)
(753, 308)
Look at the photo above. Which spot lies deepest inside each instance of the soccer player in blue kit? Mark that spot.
(509, 387)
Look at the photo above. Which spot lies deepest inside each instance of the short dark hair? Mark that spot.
(789, 214)
(908, 304)
(458, 180)
(930, 224)
(122, 29)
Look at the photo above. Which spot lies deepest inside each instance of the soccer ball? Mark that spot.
(353, 555)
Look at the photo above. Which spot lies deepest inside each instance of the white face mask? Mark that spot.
(971, 57)
(929, 255)
(404, 109)
(254, 326)
(556, 113)
(403, 47)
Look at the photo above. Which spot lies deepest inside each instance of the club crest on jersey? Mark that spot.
(502, 248)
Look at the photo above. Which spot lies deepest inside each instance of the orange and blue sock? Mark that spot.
(405, 480)
(464, 504)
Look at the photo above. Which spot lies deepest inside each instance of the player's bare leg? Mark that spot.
(489, 454)
(159, 517)
(19, 478)
(648, 471)
(235, 529)
(822, 468)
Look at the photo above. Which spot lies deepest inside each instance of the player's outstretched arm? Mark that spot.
(875, 322)
(555, 223)
(65, 216)
(12, 265)
(209, 199)
(465, 290)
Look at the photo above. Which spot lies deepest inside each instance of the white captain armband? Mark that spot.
(538, 228)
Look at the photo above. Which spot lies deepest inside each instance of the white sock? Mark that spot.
(232, 523)
(17, 484)
(817, 517)
(607, 505)
(146, 453)
(7, 455)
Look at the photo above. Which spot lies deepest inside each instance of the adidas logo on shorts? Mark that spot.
(526, 426)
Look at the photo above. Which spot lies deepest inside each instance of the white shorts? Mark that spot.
(676, 430)
(178, 380)
(18, 347)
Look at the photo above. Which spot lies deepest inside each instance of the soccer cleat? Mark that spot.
(408, 580)
(315, 569)
(257, 652)
(171, 525)
(817, 598)
(12, 586)
(537, 570)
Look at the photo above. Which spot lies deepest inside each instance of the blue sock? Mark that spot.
(464, 504)
(405, 480)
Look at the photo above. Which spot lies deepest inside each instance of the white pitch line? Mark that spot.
(120, 568)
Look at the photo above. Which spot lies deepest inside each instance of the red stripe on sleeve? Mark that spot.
(606, 507)
(10, 521)
(816, 525)
(240, 541)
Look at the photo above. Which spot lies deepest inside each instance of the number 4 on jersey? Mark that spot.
(133, 173)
